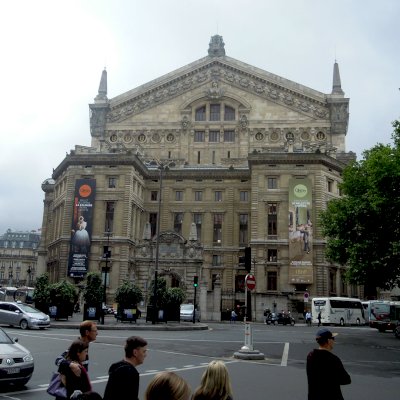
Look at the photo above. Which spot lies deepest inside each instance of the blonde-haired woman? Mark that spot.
(167, 386)
(215, 383)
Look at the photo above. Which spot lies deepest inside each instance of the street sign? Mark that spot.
(306, 295)
(250, 281)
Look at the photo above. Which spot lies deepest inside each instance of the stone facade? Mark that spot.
(222, 142)
(18, 258)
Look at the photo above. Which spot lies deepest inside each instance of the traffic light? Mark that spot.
(247, 259)
(195, 281)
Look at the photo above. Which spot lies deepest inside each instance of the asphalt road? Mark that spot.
(371, 358)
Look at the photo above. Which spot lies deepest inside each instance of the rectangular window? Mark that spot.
(200, 114)
(330, 186)
(198, 195)
(179, 195)
(272, 255)
(109, 222)
(229, 136)
(199, 136)
(178, 221)
(215, 112)
(244, 195)
(272, 219)
(217, 229)
(229, 114)
(153, 224)
(214, 136)
(198, 157)
(218, 195)
(197, 219)
(243, 229)
(112, 183)
(272, 280)
(216, 260)
(213, 157)
(154, 195)
(272, 183)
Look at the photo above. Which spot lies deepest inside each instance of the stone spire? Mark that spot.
(102, 94)
(337, 86)
(216, 47)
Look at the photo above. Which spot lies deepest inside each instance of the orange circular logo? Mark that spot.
(85, 190)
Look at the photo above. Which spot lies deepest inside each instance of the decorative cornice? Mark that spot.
(217, 72)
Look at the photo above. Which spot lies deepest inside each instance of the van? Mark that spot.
(186, 312)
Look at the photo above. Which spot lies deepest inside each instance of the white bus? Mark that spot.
(337, 310)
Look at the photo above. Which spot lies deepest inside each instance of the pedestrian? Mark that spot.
(319, 318)
(308, 318)
(215, 383)
(78, 395)
(76, 355)
(167, 386)
(123, 377)
(325, 371)
(233, 316)
(88, 333)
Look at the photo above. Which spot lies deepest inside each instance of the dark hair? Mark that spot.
(76, 347)
(85, 326)
(133, 343)
(90, 396)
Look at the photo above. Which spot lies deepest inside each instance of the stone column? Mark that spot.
(216, 314)
(203, 301)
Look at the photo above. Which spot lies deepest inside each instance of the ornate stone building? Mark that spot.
(18, 258)
(215, 156)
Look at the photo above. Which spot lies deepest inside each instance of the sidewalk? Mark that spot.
(111, 323)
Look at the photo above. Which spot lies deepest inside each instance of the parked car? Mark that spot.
(186, 313)
(16, 362)
(22, 315)
(280, 318)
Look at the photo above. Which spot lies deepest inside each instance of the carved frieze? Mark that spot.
(216, 73)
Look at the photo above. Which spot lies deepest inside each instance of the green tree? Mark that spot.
(128, 294)
(94, 291)
(174, 296)
(62, 293)
(363, 227)
(161, 291)
(41, 293)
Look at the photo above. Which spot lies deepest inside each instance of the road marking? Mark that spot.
(285, 355)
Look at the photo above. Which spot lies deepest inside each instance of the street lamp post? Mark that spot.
(106, 255)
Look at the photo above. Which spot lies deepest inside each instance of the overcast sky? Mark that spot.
(53, 53)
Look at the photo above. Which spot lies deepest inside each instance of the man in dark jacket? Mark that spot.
(123, 377)
(325, 371)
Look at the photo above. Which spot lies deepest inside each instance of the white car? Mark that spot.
(187, 311)
(22, 315)
(16, 362)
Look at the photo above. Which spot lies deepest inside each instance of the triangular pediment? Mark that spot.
(222, 71)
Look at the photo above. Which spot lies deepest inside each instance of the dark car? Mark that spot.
(280, 318)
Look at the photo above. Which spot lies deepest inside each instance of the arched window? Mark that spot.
(229, 113)
(200, 114)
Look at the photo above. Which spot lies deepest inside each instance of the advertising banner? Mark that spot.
(300, 231)
(81, 227)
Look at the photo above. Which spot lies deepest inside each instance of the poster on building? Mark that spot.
(300, 231)
(81, 227)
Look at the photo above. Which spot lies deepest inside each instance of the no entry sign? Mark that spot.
(250, 281)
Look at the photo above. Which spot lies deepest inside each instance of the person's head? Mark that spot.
(136, 349)
(88, 331)
(77, 351)
(167, 386)
(78, 395)
(325, 338)
(215, 382)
